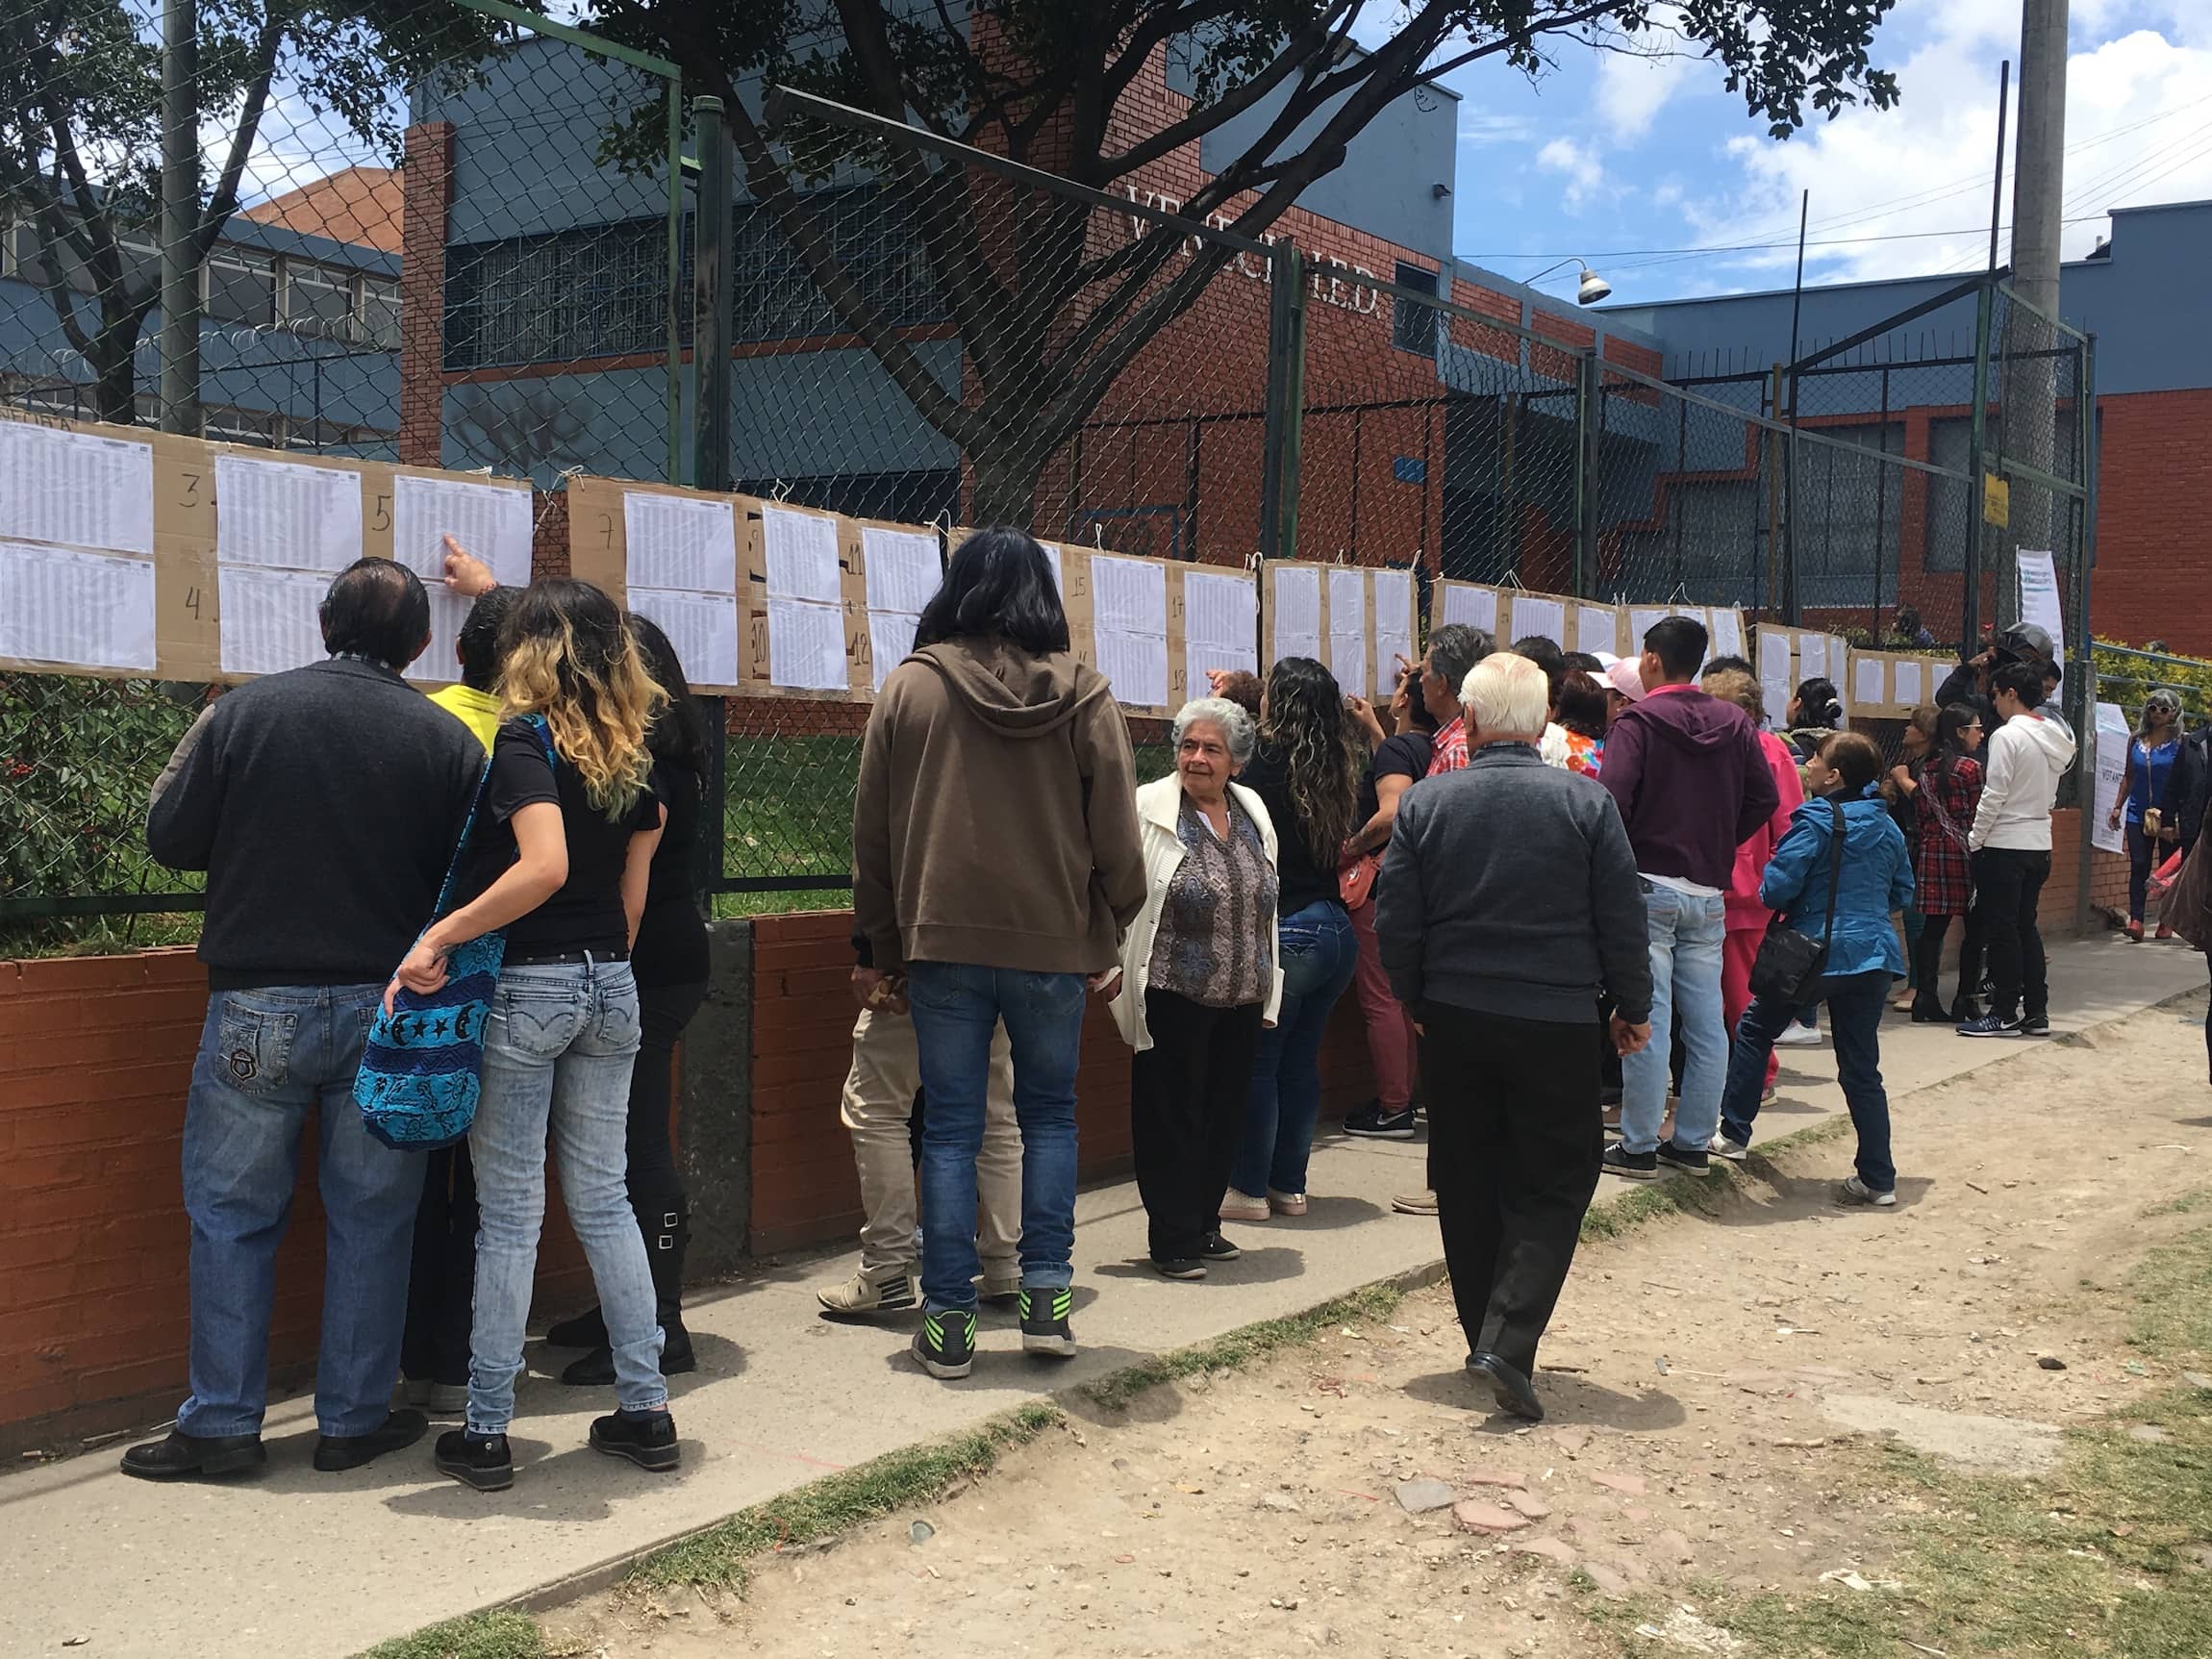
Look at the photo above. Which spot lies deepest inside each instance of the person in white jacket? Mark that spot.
(1199, 974)
(2010, 844)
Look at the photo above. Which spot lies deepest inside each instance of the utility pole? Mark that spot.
(179, 340)
(2030, 414)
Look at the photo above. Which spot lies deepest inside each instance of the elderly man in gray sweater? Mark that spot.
(1507, 902)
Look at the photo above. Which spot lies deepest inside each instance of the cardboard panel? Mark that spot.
(1187, 674)
(754, 652)
(599, 553)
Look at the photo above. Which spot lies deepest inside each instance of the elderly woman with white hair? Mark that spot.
(1507, 905)
(1199, 973)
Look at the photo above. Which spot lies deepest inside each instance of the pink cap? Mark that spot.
(1623, 677)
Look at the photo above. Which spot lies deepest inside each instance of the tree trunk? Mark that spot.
(1002, 482)
(112, 357)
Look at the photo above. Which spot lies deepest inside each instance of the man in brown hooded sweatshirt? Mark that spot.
(996, 863)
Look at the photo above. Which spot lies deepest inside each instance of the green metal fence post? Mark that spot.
(1589, 416)
(710, 300)
(1970, 627)
(1286, 403)
(675, 388)
(2082, 683)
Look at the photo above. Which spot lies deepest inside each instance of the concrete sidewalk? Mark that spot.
(302, 1565)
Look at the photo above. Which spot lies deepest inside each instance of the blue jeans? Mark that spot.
(558, 1052)
(268, 1057)
(1320, 952)
(1855, 1003)
(1688, 934)
(957, 1007)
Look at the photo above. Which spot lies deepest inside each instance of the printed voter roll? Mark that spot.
(1220, 625)
(1129, 627)
(80, 610)
(1393, 630)
(491, 521)
(277, 515)
(1294, 614)
(271, 619)
(679, 544)
(1470, 607)
(75, 488)
(1349, 630)
(1596, 628)
(1546, 618)
(703, 628)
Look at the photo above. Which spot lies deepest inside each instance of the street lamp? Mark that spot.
(1592, 289)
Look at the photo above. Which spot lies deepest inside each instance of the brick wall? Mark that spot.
(428, 178)
(2155, 453)
(95, 1055)
(804, 1188)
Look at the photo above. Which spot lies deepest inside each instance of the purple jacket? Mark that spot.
(1686, 771)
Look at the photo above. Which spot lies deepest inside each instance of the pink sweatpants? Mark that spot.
(1390, 1041)
(1737, 954)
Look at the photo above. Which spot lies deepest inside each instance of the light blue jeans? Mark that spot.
(1688, 934)
(268, 1057)
(957, 1009)
(1320, 952)
(558, 1051)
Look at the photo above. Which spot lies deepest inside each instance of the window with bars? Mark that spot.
(1413, 326)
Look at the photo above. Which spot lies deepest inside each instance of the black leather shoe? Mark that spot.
(187, 1456)
(481, 1461)
(587, 1330)
(1515, 1393)
(335, 1451)
(596, 1368)
(647, 1439)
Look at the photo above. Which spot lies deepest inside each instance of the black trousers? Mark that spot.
(1514, 1120)
(2009, 887)
(441, 1278)
(655, 1188)
(1927, 959)
(1186, 1098)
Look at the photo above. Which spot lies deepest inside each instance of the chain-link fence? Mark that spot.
(450, 233)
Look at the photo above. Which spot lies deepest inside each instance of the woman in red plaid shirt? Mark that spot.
(1945, 794)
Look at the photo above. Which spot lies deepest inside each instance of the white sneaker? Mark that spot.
(895, 1293)
(1735, 1152)
(1796, 1035)
(1239, 1206)
(1854, 1191)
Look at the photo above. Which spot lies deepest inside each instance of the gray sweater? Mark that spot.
(1509, 889)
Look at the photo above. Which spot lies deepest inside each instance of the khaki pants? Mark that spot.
(879, 1106)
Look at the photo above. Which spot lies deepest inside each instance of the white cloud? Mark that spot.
(1477, 128)
(1578, 164)
(1633, 87)
(1907, 191)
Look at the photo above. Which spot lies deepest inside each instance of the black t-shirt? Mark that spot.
(1400, 755)
(586, 912)
(671, 944)
(1303, 879)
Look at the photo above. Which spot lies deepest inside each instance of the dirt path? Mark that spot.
(1713, 1379)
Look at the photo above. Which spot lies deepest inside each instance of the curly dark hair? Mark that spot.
(1309, 731)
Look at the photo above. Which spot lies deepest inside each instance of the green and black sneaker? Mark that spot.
(946, 1343)
(1044, 1322)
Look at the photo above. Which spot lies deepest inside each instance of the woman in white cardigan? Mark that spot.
(1199, 974)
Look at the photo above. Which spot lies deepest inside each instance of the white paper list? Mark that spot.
(1220, 623)
(87, 609)
(1838, 655)
(1129, 627)
(490, 520)
(1866, 680)
(806, 645)
(1727, 631)
(902, 568)
(801, 549)
(1907, 688)
(269, 618)
(1135, 666)
(1470, 607)
(1774, 685)
(1349, 631)
(703, 628)
(890, 642)
(281, 516)
(1812, 658)
(1597, 628)
(1393, 625)
(676, 541)
(74, 487)
(1642, 619)
(1295, 614)
(1546, 618)
(1052, 558)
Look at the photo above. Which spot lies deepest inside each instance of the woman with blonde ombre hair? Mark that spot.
(564, 841)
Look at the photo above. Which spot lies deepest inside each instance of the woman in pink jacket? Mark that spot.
(1748, 917)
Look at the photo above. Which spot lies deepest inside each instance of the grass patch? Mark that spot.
(1241, 1347)
(2111, 1555)
(1686, 1194)
(716, 1558)
(479, 1636)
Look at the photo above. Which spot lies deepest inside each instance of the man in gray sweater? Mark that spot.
(1507, 902)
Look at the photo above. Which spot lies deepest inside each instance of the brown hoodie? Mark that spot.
(996, 817)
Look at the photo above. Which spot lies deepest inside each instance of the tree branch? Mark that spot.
(225, 200)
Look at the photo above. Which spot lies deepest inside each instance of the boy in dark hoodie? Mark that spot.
(1686, 771)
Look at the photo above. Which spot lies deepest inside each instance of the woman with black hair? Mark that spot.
(668, 958)
(996, 863)
(1307, 774)
(1816, 713)
(1946, 794)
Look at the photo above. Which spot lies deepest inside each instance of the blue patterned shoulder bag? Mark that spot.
(418, 1081)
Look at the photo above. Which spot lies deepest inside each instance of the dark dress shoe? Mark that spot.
(596, 1368)
(483, 1461)
(187, 1456)
(337, 1452)
(1510, 1387)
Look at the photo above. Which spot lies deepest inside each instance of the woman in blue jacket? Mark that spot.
(1876, 879)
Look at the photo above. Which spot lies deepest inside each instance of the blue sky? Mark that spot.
(1616, 158)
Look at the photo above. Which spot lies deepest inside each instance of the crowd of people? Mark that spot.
(1580, 898)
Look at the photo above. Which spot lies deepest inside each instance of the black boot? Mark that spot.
(587, 1330)
(668, 1233)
